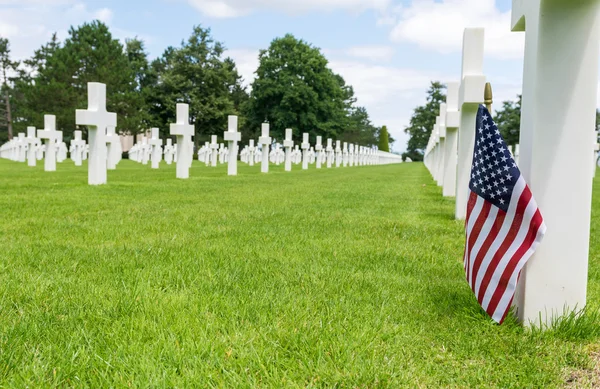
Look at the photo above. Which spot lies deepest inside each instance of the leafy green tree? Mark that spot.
(384, 139)
(136, 118)
(508, 120)
(359, 129)
(295, 89)
(196, 74)
(422, 122)
(57, 83)
(6, 67)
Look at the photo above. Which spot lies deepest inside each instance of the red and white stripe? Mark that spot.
(498, 245)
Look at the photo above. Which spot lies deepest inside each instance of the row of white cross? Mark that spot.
(557, 144)
(105, 150)
(214, 153)
(30, 148)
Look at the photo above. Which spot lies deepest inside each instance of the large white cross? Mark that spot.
(232, 136)
(184, 131)
(265, 140)
(98, 120)
(288, 143)
(50, 135)
(558, 114)
(471, 95)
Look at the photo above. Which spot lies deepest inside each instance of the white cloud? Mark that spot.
(439, 26)
(246, 61)
(29, 24)
(237, 8)
(372, 53)
(389, 93)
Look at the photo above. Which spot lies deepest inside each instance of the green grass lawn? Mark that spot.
(347, 278)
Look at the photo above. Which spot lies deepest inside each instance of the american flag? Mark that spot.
(504, 225)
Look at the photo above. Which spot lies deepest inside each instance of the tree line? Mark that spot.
(293, 88)
(507, 118)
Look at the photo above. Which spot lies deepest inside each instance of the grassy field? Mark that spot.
(348, 278)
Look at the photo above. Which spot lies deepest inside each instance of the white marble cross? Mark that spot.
(97, 119)
(114, 149)
(169, 151)
(207, 157)
(471, 95)
(350, 155)
(251, 150)
(184, 131)
(329, 153)
(145, 155)
(77, 147)
(61, 149)
(345, 154)
(596, 148)
(338, 153)
(319, 151)
(557, 117)
(232, 136)
(305, 148)
(156, 144)
(21, 147)
(214, 151)
(265, 141)
(288, 144)
(50, 135)
(33, 142)
(452, 124)
(442, 145)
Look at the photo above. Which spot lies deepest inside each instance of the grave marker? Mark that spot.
(558, 114)
(265, 141)
(233, 137)
(97, 119)
(471, 95)
(156, 144)
(184, 131)
(50, 135)
(288, 143)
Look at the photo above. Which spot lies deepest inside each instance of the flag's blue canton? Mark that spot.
(494, 173)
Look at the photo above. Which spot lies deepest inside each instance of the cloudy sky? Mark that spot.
(389, 50)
